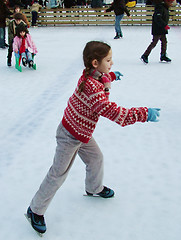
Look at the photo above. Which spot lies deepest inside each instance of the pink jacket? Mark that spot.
(29, 44)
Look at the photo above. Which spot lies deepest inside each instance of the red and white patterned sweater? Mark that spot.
(84, 109)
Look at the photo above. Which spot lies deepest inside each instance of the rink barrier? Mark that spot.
(140, 15)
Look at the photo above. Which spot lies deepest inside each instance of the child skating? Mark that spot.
(159, 29)
(74, 133)
(24, 48)
(119, 8)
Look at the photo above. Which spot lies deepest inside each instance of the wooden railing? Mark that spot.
(140, 15)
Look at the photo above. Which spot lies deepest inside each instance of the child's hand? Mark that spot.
(153, 114)
(118, 75)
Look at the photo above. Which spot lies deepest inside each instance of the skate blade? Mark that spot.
(164, 62)
(29, 220)
(94, 195)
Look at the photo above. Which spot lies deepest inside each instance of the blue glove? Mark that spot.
(118, 75)
(153, 114)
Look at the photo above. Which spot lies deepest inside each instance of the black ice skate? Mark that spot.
(24, 61)
(165, 58)
(105, 193)
(118, 36)
(30, 64)
(9, 62)
(144, 58)
(37, 221)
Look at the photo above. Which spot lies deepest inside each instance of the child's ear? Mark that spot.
(95, 63)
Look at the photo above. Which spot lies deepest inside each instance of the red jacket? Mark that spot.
(84, 109)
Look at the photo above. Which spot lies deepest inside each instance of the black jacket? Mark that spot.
(4, 13)
(160, 19)
(119, 8)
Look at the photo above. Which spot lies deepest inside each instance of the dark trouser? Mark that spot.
(10, 51)
(34, 17)
(154, 42)
(2, 37)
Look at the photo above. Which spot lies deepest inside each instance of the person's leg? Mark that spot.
(92, 156)
(29, 56)
(33, 18)
(118, 19)
(24, 59)
(152, 44)
(9, 56)
(67, 147)
(163, 40)
(2, 38)
(163, 55)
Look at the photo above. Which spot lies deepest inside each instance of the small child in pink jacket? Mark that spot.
(23, 46)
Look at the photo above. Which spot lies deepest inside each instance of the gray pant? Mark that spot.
(66, 151)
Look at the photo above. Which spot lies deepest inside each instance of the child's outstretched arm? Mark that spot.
(123, 116)
(31, 45)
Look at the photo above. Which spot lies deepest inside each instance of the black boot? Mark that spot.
(163, 57)
(9, 62)
(117, 36)
(105, 193)
(30, 64)
(24, 61)
(37, 221)
(144, 58)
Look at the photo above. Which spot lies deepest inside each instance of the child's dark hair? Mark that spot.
(16, 6)
(21, 28)
(93, 50)
(18, 16)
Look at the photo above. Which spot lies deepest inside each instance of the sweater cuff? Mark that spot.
(113, 76)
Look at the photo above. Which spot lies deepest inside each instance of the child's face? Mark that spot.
(168, 3)
(22, 34)
(105, 65)
(17, 10)
(17, 21)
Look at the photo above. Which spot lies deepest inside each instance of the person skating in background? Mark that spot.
(119, 8)
(74, 134)
(23, 46)
(18, 20)
(17, 9)
(160, 28)
(4, 13)
(34, 11)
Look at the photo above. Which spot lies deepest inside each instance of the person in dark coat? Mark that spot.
(96, 3)
(13, 3)
(119, 8)
(69, 3)
(4, 13)
(159, 30)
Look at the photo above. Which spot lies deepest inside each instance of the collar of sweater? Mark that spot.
(95, 74)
